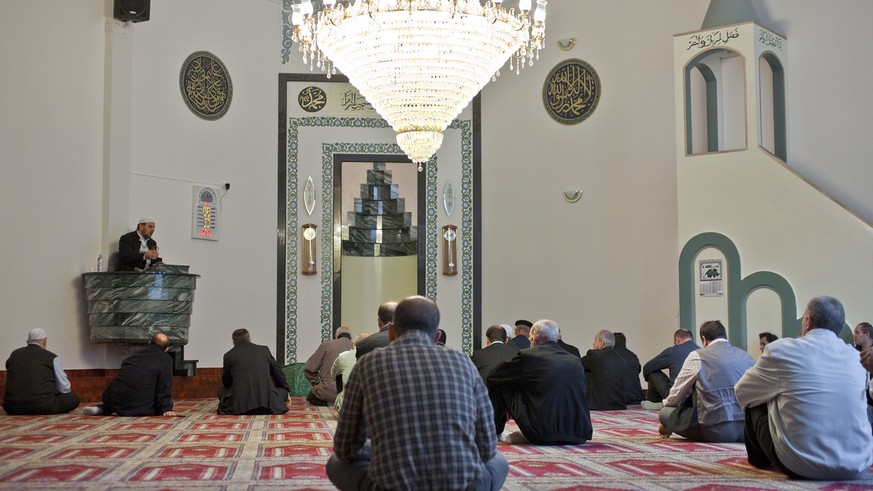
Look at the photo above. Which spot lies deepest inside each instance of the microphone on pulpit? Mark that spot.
(153, 246)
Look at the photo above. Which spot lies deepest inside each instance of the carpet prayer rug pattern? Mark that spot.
(205, 451)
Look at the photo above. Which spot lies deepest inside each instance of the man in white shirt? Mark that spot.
(35, 380)
(805, 404)
(342, 368)
(701, 405)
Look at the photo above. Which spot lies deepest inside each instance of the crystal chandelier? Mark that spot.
(418, 62)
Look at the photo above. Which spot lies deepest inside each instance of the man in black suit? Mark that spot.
(137, 249)
(633, 390)
(384, 316)
(543, 389)
(604, 374)
(671, 359)
(522, 333)
(569, 348)
(144, 384)
(495, 353)
(253, 381)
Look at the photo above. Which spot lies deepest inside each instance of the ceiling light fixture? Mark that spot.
(418, 62)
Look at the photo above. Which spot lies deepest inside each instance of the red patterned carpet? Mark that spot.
(204, 451)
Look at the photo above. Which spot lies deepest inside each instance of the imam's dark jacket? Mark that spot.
(129, 256)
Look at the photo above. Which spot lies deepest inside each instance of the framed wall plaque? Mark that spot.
(205, 85)
(571, 91)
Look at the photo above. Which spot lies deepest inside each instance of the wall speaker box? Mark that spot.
(132, 10)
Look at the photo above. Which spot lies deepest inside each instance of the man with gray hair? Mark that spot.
(35, 380)
(804, 401)
(543, 390)
(604, 374)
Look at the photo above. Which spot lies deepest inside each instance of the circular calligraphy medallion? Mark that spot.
(571, 91)
(205, 85)
(312, 99)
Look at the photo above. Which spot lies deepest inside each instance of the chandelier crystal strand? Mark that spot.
(418, 62)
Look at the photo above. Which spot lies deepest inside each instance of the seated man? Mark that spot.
(441, 337)
(522, 334)
(543, 390)
(569, 348)
(766, 338)
(342, 368)
(805, 409)
(863, 337)
(604, 374)
(137, 250)
(384, 316)
(253, 382)
(393, 432)
(702, 405)
(867, 363)
(35, 380)
(144, 384)
(633, 390)
(671, 359)
(317, 368)
(497, 351)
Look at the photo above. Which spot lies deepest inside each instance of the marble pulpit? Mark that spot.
(128, 307)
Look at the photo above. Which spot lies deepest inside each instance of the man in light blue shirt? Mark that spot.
(806, 411)
(35, 380)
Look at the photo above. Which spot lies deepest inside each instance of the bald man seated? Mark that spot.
(144, 384)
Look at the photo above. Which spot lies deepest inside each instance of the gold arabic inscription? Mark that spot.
(571, 91)
(206, 85)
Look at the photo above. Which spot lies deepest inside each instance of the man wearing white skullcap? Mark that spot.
(137, 250)
(35, 380)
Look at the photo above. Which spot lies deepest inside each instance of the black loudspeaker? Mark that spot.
(131, 10)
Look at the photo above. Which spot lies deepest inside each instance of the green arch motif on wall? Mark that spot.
(738, 288)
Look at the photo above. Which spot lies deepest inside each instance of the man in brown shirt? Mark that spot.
(317, 368)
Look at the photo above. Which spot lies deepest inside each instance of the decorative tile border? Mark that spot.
(466, 237)
(431, 207)
(291, 246)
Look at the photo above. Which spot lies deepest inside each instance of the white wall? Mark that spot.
(51, 74)
(828, 77)
(237, 287)
(608, 261)
(777, 220)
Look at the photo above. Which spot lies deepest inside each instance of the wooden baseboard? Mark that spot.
(90, 383)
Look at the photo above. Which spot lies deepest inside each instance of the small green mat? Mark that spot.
(296, 380)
